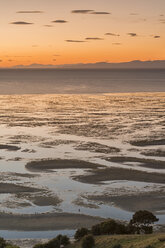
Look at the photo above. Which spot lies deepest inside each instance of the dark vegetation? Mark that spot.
(58, 242)
(4, 244)
(141, 223)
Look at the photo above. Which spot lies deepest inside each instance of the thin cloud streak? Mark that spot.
(100, 13)
(134, 14)
(116, 43)
(94, 38)
(132, 34)
(59, 21)
(75, 41)
(89, 11)
(48, 26)
(112, 34)
(30, 12)
(81, 11)
(22, 23)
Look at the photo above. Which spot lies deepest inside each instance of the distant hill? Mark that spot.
(136, 64)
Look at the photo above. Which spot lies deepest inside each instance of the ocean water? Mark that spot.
(69, 81)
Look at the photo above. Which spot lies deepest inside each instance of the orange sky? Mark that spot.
(136, 30)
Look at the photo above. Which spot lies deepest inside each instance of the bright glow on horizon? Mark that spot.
(47, 32)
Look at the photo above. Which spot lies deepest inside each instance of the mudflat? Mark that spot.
(48, 165)
(10, 188)
(46, 221)
(98, 176)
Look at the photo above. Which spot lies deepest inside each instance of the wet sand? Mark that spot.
(148, 163)
(155, 153)
(49, 165)
(56, 133)
(99, 176)
(96, 147)
(46, 221)
(152, 201)
(150, 142)
(9, 188)
(44, 200)
(9, 147)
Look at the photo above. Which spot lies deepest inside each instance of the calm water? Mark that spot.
(29, 81)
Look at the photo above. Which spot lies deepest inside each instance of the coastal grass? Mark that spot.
(127, 241)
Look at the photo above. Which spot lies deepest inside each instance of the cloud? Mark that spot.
(22, 23)
(134, 14)
(112, 34)
(100, 13)
(89, 11)
(48, 26)
(132, 34)
(117, 43)
(94, 38)
(59, 21)
(18, 56)
(29, 12)
(162, 21)
(82, 11)
(56, 55)
(1, 60)
(75, 41)
(156, 36)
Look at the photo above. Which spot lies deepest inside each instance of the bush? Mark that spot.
(117, 246)
(11, 246)
(121, 229)
(2, 243)
(88, 242)
(53, 243)
(111, 227)
(80, 233)
(131, 229)
(108, 227)
(96, 230)
(63, 239)
(39, 246)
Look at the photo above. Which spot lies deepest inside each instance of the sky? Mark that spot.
(81, 31)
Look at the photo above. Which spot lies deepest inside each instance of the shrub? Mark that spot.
(121, 229)
(53, 243)
(88, 242)
(2, 243)
(39, 246)
(63, 239)
(111, 227)
(108, 227)
(96, 230)
(80, 233)
(117, 246)
(11, 246)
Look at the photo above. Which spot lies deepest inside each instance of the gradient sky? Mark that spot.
(135, 27)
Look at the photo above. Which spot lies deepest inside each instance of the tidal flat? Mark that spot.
(76, 159)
